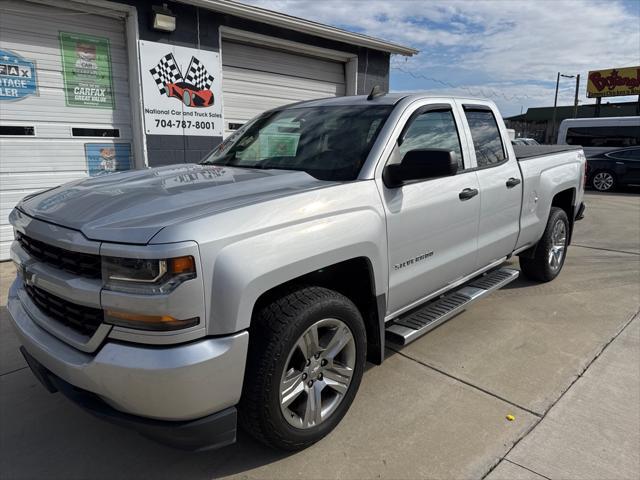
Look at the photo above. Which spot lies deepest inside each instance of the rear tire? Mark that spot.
(291, 370)
(551, 250)
(604, 181)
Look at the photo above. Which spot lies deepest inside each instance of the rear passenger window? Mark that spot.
(433, 129)
(631, 154)
(486, 137)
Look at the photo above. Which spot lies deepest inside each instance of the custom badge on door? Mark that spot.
(412, 261)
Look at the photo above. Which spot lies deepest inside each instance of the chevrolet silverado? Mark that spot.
(252, 288)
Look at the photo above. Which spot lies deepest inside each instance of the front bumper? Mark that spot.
(213, 431)
(165, 383)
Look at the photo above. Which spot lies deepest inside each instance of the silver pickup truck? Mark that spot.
(254, 286)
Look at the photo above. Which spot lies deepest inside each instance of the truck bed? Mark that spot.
(526, 152)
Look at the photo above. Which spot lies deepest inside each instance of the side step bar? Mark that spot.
(413, 325)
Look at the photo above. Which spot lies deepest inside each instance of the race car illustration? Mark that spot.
(190, 95)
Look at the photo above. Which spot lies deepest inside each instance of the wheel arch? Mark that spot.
(245, 269)
(564, 199)
(354, 278)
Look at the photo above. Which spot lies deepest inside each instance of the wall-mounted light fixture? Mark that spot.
(163, 19)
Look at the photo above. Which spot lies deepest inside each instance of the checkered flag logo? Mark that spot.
(167, 71)
(198, 76)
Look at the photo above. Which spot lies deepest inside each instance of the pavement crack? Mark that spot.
(606, 249)
(634, 316)
(13, 371)
(526, 468)
(469, 384)
(597, 355)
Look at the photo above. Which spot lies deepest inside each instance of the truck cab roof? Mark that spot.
(384, 99)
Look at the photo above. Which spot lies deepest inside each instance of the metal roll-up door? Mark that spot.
(255, 79)
(46, 137)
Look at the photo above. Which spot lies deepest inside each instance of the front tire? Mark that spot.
(306, 359)
(551, 250)
(604, 181)
(186, 98)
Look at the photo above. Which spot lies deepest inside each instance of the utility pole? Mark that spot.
(555, 102)
(555, 105)
(575, 104)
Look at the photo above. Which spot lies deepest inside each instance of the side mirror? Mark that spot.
(420, 164)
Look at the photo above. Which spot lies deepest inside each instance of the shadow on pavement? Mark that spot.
(521, 282)
(45, 436)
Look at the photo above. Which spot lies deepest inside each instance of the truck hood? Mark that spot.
(133, 206)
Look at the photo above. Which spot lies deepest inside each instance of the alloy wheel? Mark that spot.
(558, 245)
(603, 181)
(317, 373)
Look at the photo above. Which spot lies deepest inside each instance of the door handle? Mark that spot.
(468, 193)
(512, 182)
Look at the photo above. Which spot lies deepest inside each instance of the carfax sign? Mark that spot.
(614, 82)
(181, 89)
(17, 76)
(86, 68)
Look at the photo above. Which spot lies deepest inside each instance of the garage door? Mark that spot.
(59, 120)
(255, 79)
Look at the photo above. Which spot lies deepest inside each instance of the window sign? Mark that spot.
(86, 68)
(103, 158)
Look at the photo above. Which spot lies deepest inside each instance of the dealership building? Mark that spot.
(89, 87)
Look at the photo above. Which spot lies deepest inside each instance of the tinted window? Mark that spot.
(330, 143)
(433, 129)
(627, 136)
(486, 137)
(631, 154)
(16, 130)
(95, 132)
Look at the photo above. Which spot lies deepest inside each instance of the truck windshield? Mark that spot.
(329, 143)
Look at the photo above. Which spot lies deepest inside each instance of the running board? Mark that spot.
(412, 326)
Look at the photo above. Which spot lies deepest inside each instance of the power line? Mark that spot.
(483, 93)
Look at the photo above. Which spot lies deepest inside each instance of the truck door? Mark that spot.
(432, 224)
(500, 183)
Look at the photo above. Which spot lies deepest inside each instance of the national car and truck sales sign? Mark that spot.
(614, 82)
(181, 90)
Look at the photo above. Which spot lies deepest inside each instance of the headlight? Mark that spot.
(146, 276)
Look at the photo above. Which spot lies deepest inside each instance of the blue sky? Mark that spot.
(507, 50)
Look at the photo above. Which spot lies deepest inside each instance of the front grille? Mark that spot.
(85, 320)
(83, 264)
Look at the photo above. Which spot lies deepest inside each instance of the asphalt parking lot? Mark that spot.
(563, 358)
